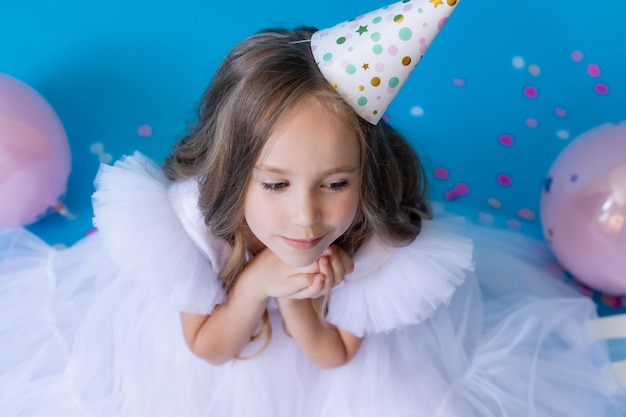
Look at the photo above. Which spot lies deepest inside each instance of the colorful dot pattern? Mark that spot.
(368, 58)
(516, 217)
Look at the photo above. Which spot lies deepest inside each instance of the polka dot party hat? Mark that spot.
(368, 58)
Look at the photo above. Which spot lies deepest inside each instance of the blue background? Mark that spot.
(110, 67)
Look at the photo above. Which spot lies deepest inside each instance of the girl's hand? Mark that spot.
(268, 276)
(333, 265)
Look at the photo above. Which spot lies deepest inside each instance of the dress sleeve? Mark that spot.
(155, 233)
(392, 287)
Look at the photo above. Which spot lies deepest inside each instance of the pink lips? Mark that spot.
(302, 244)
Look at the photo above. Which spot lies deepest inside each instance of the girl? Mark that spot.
(283, 262)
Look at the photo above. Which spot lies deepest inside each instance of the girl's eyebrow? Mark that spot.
(347, 169)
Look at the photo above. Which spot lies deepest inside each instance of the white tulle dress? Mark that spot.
(454, 326)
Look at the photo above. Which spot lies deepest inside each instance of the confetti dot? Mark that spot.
(393, 50)
(531, 122)
(534, 70)
(105, 158)
(362, 101)
(601, 88)
(342, 40)
(327, 56)
(361, 88)
(350, 69)
(459, 82)
(379, 67)
(96, 148)
(377, 49)
(593, 70)
(486, 219)
(504, 179)
(577, 56)
(145, 131)
(398, 19)
(560, 112)
(526, 214)
(462, 189)
(506, 140)
(611, 300)
(375, 36)
(375, 82)
(513, 224)
(450, 195)
(518, 62)
(417, 111)
(531, 92)
(494, 203)
(377, 19)
(406, 61)
(562, 134)
(441, 173)
(393, 82)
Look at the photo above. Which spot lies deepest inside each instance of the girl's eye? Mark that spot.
(274, 186)
(336, 186)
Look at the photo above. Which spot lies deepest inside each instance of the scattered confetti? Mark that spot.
(462, 189)
(486, 219)
(105, 158)
(593, 70)
(526, 214)
(577, 56)
(506, 140)
(518, 62)
(513, 224)
(531, 122)
(531, 92)
(562, 134)
(494, 203)
(96, 148)
(417, 111)
(560, 112)
(441, 173)
(601, 88)
(504, 179)
(145, 131)
(534, 70)
(459, 82)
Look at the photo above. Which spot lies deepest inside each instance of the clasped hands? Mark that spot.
(274, 278)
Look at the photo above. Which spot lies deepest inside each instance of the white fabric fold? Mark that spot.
(147, 239)
(396, 287)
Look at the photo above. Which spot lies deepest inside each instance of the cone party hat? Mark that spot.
(368, 58)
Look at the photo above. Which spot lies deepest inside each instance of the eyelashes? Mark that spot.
(278, 186)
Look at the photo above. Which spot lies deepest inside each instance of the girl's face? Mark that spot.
(305, 187)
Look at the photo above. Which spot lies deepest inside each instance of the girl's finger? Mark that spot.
(346, 261)
(312, 290)
(328, 269)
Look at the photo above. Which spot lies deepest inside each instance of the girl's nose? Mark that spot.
(306, 209)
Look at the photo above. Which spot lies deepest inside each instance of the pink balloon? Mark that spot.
(34, 154)
(583, 208)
